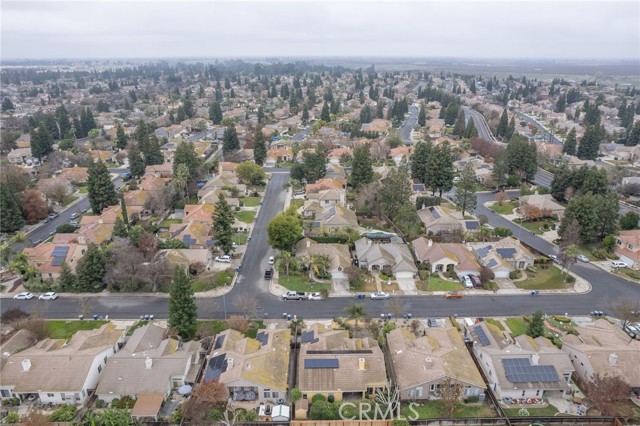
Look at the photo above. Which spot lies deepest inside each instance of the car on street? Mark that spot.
(225, 258)
(598, 314)
(631, 331)
(271, 260)
(268, 273)
(36, 242)
(48, 296)
(453, 295)
(294, 295)
(496, 190)
(53, 215)
(23, 296)
(553, 257)
(74, 215)
(85, 210)
(618, 264)
(380, 295)
(583, 258)
(315, 296)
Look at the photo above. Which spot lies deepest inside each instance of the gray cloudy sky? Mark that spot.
(489, 29)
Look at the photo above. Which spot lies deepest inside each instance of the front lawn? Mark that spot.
(628, 273)
(534, 226)
(245, 216)
(299, 282)
(547, 411)
(516, 325)
(59, 329)
(506, 207)
(69, 199)
(436, 409)
(435, 283)
(210, 282)
(83, 189)
(240, 238)
(250, 201)
(545, 279)
(286, 164)
(495, 322)
(297, 203)
(168, 222)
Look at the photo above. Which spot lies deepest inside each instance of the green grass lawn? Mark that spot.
(245, 216)
(66, 329)
(435, 409)
(168, 222)
(297, 282)
(254, 327)
(240, 238)
(495, 322)
(69, 199)
(506, 207)
(549, 410)
(516, 325)
(83, 189)
(535, 226)
(251, 201)
(217, 326)
(212, 281)
(544, 279)
(628, 273)
(438, 284)
(297, 203)
(286, 164)
(136, 326)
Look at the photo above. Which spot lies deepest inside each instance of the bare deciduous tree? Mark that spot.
(57, 191)
(450, 393)
(606, 392)
(247, 304)
(627, 310)
(396, 307)
(238, 323)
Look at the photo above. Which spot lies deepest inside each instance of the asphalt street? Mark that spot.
(547, 135)
(409, 123)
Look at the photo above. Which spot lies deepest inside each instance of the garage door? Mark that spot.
(627, 260)
(501, 274)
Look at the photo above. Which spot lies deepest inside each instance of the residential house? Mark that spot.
(603, 348)
(338, 254)
(392, 258)
(48, 258)
(150, 362)
(198, 235)
(76, 175)
(440, 219)
(335, 155)
(185, 258)
(446, 257)
(328, 197)
(325, 183)
(61, 371)
(400, 154)
(164, 170)
(20, 340)
(540, 205)
(627, 247)
(221, 181)
(523, 368)
(332, 364)
(334, 219)
(420, 364)
(202, 213)
(19, 155)
(278, 155)
(251, 369)
(503, 256)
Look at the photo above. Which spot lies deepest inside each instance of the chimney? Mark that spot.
(368, 242)
(100, 221)
(148, 363)
(308, 243)
(26, 365)
(361, 364)
(428, 362)
(430, 243)
(613, 359)
(535, 359)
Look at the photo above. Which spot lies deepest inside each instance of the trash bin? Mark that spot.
(95, 317)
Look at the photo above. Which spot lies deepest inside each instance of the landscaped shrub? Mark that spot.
(66, 413)
(571, 279)
(599, 253)
(100, 403)
(471, 399)
(318, 397)
(532, 269)
(561, 319)
(514, 275)
(126, 402)
(331, 398)
(11, 417)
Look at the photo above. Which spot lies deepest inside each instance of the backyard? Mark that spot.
(436, 409)
(60, 329)
(544, 279)
(549, 410)
(245, 216)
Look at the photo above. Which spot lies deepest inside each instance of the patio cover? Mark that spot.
(148, 405)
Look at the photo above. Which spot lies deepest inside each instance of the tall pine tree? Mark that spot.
(259, 146)
(121, 137)
(230, 141)
(183, 312)
(325, 115)
(101, 191)
(215, 112)
(136, 162)
(223, 220)
(41, 141)
(10, 216)
(420, 161)
(501, 131)
(362, 169)
(569, 146)
(90, 270)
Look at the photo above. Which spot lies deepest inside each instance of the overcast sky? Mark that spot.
(482, 29)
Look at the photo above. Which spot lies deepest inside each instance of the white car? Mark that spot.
(583, 258)
(271, 260)
(315, 296)
(23, 296)
(225, 258)
(380, 295)
(618, 264)
(467, 282)
(48, 296)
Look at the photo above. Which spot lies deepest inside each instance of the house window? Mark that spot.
(432, 387)
(410, 393)
(304, 396)
(267, 393)
(538, 392)
(50, 395)
(99, 369)
(77, 395)
(5, 393)
(419, 392)
(62, 395)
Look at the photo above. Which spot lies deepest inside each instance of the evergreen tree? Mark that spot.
(466, 190)
(511, 128)
(10, 216)
(380, 109)
(420, 161)
(136, 162)
(230, 141)
(62, 119)
(365, 114)
(362, 169)
(123, 211)
(471, 131)
(186, 154)
(633, 135)
(521, 157)
(440, 169)
(120, 229)
(501, 131)
(90, 270)
(459, 126)
(215, 112)
(451, 113)
(395, 191)
(121, 137)
(473, 87)
(325, 115)
(589, 143)
(183, 311)
(67, 279)
(223, 220)
(41, 142)
(77, 125)
(259, 146)
(101, 191)
(561, 104)
(7, 104)
(592, 115)
(422, 116)
(87, 120)
(151, 151)
(305, 114)
(536, 325)
(569, 146)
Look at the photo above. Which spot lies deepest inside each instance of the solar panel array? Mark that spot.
(434, 213)
(506, 253)
(216, 366)
(219, 342)
(307, 336)
(472, 224)
(263, 338)
(482, 336)
(187, 239)
(520, 370)
(59, 255)
(491, 263)
(483, 251)
(331, 212)
(321, 363)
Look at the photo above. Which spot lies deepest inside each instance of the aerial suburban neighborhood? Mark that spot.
(318, 240)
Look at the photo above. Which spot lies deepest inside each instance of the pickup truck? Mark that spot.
(294, 295)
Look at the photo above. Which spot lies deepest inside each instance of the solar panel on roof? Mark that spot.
(434, 212)
(60, 251)
(483, 251)
(316, 224)
(330, 212)
(263, 338)
(216, 366)
(492, 263)
(219, 342)
(482, 336)
(506, 253)
(520, 370)
(187, 239)
(321, 363)
(472, 224)
(307, 336)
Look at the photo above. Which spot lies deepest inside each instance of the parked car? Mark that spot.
(271, 260)
(476, 281)
(380, 295)
(583, 258)
(496, 190)
(48, 296)
(36, 242)
(315, 296)
(268, 273)
(225, 258)
(618, 264)
(631, 331)
(453, 295)
(53, 215)
(23, 296)
(294, 295)
(467, 282)
(553, 257)
(74, 215)
(84, 210)
(598, 314)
